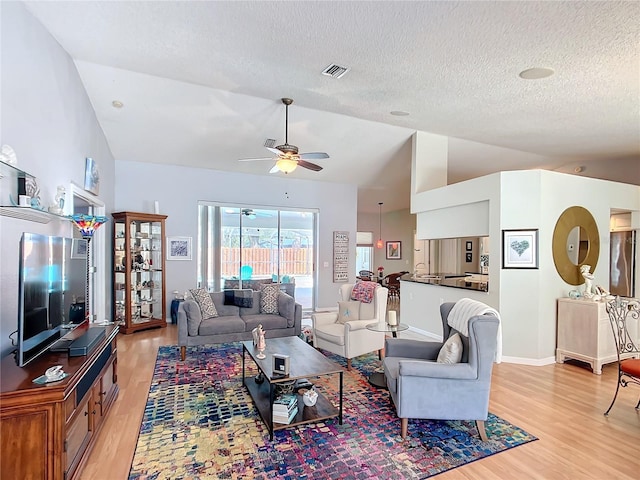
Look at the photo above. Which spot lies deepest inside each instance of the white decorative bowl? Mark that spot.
(310, 397)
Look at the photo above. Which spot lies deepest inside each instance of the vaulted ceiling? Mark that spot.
(200, 84)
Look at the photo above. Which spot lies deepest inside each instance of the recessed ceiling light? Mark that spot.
(399, 113)
(117, 104)
(536, 73)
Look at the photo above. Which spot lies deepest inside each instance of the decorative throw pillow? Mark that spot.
(239, 298)
(269, 298)
(203, 299)
(367, 311)
(348, 311)
(451, 351)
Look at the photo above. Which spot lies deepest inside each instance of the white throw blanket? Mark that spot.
(464, 309)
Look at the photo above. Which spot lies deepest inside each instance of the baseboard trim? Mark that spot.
(534, 362)
(425, 333)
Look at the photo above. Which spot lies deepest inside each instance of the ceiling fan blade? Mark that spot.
(309, 165)
(275, 151)
(275, 169)
(314, 156)
(254, 159)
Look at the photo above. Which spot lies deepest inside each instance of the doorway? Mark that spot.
(245, 246)
(78, 200)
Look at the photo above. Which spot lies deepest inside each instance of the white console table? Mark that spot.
(584, 333)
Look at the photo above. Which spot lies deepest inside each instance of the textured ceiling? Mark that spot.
(201, 83)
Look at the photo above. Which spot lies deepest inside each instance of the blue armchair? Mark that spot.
(420, 387)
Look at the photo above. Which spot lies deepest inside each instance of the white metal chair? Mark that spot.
(623, 311)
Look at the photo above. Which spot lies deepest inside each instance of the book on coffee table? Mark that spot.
(285, 402)
(286, 418)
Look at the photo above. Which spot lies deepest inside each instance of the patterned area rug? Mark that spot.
(200, 422)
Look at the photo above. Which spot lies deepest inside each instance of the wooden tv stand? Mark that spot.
(48, 430)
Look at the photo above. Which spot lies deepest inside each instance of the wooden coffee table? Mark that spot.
(305, 362)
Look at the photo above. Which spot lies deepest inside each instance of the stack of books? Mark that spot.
(285, 408)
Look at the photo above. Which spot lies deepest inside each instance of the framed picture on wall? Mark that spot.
(178, 248)
(520, 249)
(91, 176)
(469, 246)
(78, 248)
(394, 250)
(469, 257)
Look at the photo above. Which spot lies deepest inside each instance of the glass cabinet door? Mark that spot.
(139, 277)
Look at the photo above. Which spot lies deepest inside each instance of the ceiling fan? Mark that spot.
(287, 157)
(251, 213)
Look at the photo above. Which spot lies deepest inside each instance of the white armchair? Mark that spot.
(351, 338)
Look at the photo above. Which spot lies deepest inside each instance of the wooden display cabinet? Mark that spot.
(138, 278)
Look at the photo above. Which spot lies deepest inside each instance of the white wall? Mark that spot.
(397, 225)
(420, 304)
(48, 120)
(531, 199)
(178, 190)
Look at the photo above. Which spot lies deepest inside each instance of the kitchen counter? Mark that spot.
(469, 282)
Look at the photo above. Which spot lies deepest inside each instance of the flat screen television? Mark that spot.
(52, 286)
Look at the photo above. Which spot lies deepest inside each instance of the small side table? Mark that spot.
(175, 304)
(385, 327)
(377, 379)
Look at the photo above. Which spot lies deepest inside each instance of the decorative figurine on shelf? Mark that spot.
(262, 344)
(588, 281)
(58, 206)
(8, 155)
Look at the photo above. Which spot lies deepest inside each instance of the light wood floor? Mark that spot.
(561, 404)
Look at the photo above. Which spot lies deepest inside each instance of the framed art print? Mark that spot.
(78, 248)
(91, 176)
(520, 249)
(394, 250)
(178, 248)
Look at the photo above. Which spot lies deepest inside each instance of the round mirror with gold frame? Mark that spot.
(576, 242)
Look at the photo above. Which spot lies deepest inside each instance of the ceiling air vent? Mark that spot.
(335, 71)
(270, 142)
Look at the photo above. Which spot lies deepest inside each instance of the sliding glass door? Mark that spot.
(244, 247)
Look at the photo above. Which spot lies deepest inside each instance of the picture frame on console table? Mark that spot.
(520, 249)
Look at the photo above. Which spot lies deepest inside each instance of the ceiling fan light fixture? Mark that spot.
(286, 165)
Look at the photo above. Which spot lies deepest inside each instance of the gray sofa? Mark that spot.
(235, 323)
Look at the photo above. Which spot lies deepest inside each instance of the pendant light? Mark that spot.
(379, 242)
